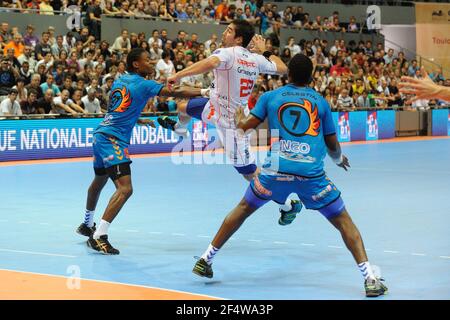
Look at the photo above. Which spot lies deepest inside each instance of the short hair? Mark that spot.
(133, 56)
(32, 91)
(300, 69)
(245, 30)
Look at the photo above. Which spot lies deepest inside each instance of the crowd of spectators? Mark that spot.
(72, 73)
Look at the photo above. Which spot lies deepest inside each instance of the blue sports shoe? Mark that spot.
(288, 216)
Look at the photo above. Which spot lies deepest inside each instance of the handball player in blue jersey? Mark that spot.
(129, 95)
(295, 164)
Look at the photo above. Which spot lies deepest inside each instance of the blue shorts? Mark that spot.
(196, 106)
(109, 151)
(315, 193)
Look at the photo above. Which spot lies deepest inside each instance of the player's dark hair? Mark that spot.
(245, 30)
(300, 69)
(133, 56)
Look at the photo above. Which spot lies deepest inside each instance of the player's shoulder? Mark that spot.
(223, 51)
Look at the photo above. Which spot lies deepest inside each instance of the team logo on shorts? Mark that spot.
(259, 188)
(300, 119)
(120, 100)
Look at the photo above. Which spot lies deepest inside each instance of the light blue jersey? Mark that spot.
(129, 95)
(302, 117)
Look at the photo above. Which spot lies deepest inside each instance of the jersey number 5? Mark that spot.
(246, 87)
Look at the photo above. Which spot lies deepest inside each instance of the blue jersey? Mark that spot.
(129, 95)
(301, 117)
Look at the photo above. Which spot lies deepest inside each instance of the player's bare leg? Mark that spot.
(99, 241)
(354, 243)
(87, 228)
(230, 225)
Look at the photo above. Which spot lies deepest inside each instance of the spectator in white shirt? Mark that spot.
(165, 66)
(64, 105)
(295, 48)
(10, 106)
(155, 38)
(90, 102)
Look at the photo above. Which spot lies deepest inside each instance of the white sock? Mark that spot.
(102, 229)
(180, 125)
(209, 254)
(366, 270)
(89, 218)
(287, 206)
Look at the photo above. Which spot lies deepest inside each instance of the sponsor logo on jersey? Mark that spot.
(245, 63)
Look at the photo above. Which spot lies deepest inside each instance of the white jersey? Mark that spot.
(233, 82)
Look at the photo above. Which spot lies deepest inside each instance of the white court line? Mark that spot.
(418, 254)
(132, 230)
(280, 242)
(203, 236)
(38, 253)
(308, 244)
(390, 251)
(444, 257)
(178, 234)
(3, 220)
(44, 223)
(66, 225)
(335, 247)
(254, 240)
(368, 249)
(155, 232)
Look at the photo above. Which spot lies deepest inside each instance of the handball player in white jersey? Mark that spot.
(235, 72)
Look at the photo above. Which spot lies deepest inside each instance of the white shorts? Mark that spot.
(236, 146)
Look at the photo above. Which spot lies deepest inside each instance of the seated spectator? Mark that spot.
(90, 102)
(122, 44)
(344, 101)
(29, 105)
(110, 10)
(165, 66)
(352, 26)
(30, 39)
(10, 106)
(363, 100)
(16, 45)
(22, 93)
(64, 105)
(8, 76)
(47, 62)
(49, 84)
(293, 47)
(12, 59)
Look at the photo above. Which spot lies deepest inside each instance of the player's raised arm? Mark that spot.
(258, 45)
(182, 92)
(199, 67)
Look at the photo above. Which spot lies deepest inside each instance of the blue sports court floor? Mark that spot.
(397, 193)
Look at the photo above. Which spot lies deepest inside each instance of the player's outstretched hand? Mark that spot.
(421, 88)
(344, 164)
(172, 81)
(258, 44)
(146, 122)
